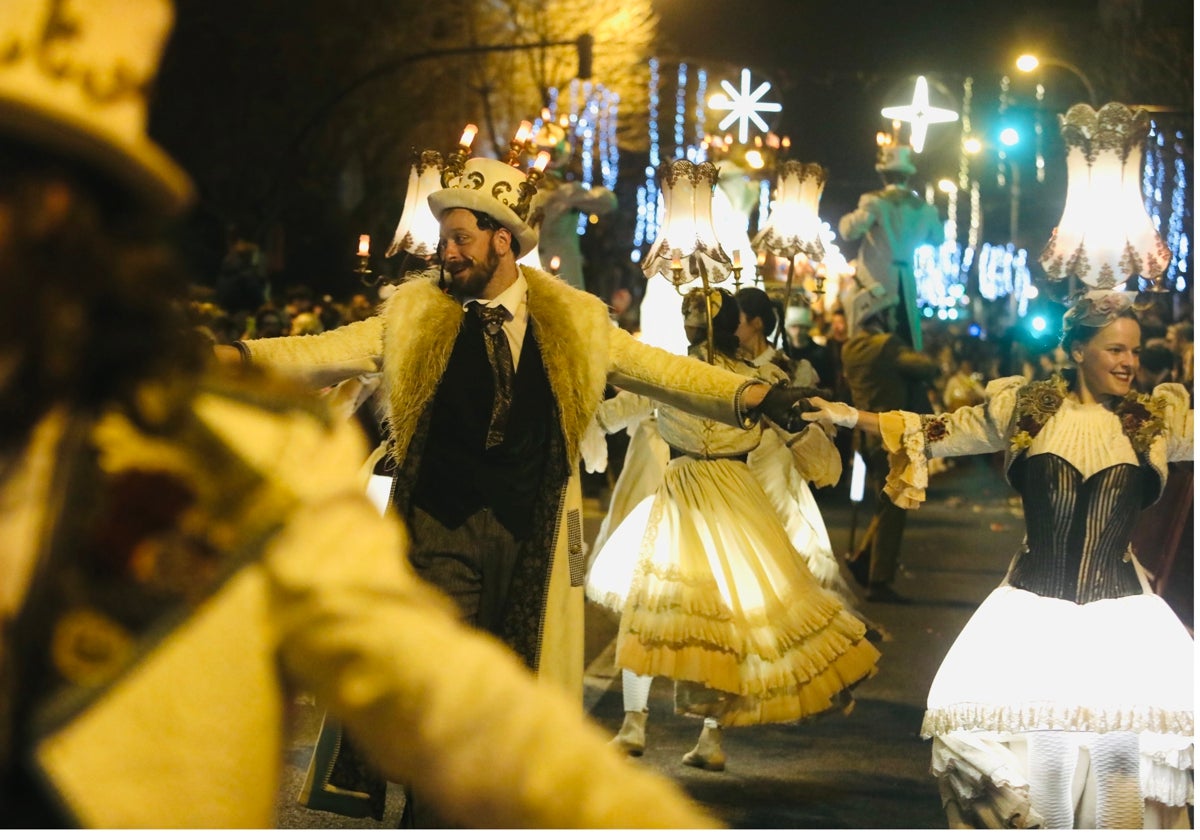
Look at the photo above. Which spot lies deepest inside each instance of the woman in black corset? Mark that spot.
(1066, 701)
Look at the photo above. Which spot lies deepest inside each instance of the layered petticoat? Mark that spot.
(793, 500)
(711, 591)
(645, 459)
(1025, 663)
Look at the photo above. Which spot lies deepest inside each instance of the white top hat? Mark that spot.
(493, 187)
(74, 78)
(893, 158)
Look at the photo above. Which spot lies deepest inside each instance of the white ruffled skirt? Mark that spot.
(711, 591)
(1025, 663)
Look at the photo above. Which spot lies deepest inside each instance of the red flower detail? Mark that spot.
(934, 429)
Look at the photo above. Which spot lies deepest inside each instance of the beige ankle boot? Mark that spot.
(707, 754)
(631, 739)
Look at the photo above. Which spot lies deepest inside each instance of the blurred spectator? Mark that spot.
(298, 299)
(360, 308)
(307, 323)
(797, 324)
(241, 280)
(884, 374)
(269, 323)
(1179, 340)
(1156, 366)
(965, 384)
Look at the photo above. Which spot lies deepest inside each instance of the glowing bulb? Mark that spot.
(543, 160)
(523, 131)
(1010, 137)
(947, 186)
(468, 135)
(972, 145)
(364, 245)
(754, 159)
(1027, 63)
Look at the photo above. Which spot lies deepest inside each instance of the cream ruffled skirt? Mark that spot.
(1025, 663)
(711, 591)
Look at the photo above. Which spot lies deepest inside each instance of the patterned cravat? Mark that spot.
(492, 319)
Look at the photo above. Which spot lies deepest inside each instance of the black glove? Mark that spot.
(783, 405)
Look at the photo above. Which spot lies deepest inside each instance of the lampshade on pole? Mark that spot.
(687, 246)
(793, 226)
(1105, 236)
(418, 231)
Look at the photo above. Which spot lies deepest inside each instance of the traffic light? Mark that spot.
(583, 46)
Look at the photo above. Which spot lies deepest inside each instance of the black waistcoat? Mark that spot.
(458, 476)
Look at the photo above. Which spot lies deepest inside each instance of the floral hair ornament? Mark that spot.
(1098, 308)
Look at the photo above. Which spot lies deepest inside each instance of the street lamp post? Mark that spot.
(1029, 62)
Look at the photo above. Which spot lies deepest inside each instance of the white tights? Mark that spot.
(1053, 757)
(635, 689)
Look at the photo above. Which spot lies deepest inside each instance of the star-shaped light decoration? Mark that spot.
(919, 114)
(744, 106)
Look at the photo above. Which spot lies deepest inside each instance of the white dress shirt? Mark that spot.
(514, 299)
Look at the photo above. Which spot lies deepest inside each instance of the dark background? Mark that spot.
(244, 103)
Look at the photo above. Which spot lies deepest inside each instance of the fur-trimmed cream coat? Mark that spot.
(411, 339)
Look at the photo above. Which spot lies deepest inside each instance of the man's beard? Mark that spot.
(477, 277)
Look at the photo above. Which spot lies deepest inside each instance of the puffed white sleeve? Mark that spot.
(912, 439)
(815, 456)
(622, 411)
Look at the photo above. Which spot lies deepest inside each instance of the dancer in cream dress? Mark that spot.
(771, 463)
(1067, 700)
(710, 590)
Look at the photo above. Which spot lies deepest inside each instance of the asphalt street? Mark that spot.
(865, 770)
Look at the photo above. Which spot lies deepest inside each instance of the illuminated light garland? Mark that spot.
(1004, 271)
(701, 93)
(680, 109)
(1156, 201)
(764, 199)
(647, 230)
(592, 112)
(937, 272)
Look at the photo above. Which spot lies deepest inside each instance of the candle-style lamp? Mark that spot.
(457, 160)
(793, 227)
(364, 259)
(736, 269)
(519, 143)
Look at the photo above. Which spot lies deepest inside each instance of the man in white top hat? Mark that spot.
(892, 223)
(493, 371)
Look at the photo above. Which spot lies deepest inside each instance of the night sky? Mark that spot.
(239, 78)
(835, 64)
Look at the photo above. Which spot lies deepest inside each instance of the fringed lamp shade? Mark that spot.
(418, 230)
(687, 246)
(793, 226)
(731, 228)
(1105, 237)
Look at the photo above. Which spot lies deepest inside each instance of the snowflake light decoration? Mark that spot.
(744, 106)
